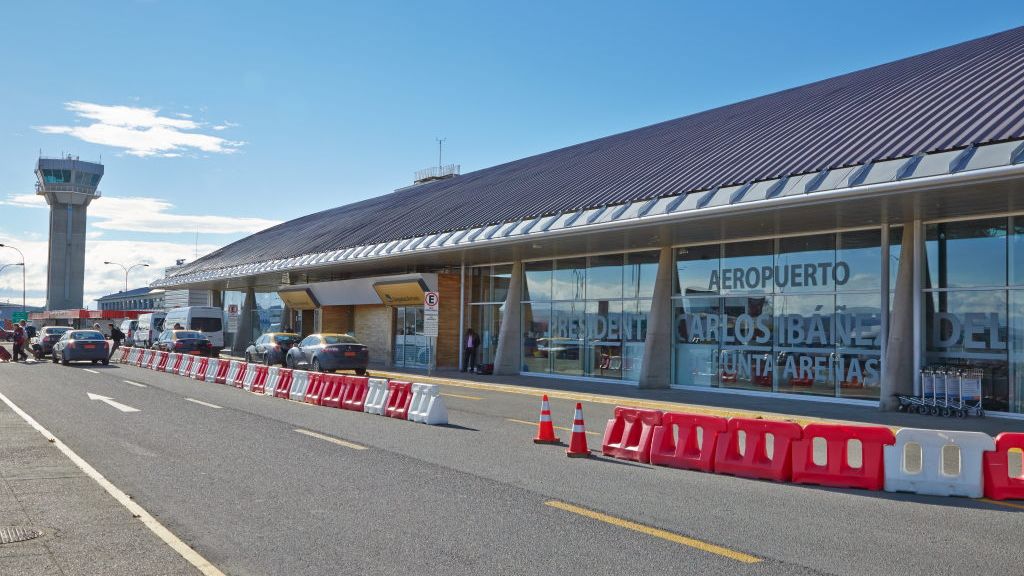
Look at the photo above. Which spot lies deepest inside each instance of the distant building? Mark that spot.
(181, 298)
(138, 299)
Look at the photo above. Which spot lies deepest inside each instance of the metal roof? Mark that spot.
(953, 98)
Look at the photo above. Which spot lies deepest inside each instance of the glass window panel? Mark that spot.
(568, 334)
(603, 353)
(804, 346)
(806, 264)
(895, 248)
(1015, 391)
(747, 267)
(500, 278)
(604, 277)
(746, 343)
(858, 261)
(634, 334)
(537, 280)
(486, 320)
(966, 254)
(536, 321)
(641, 271)
(697, 269)
(569, 279)
(695, 357)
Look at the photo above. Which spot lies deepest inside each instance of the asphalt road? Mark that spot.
(231, 474)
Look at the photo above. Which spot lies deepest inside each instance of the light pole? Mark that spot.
(23, 309)
(126, 270)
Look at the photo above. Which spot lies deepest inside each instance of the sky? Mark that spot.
(218, 119)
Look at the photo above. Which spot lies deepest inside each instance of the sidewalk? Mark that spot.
(84, 530)
(725, 404)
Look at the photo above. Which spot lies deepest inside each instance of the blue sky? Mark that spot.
(229, 116)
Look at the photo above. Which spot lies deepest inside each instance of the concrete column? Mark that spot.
(900, 370)
(656, 370)
(243, 334)
(507, 355)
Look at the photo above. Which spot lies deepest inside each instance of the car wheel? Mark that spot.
(106, 362)
(95, 362)
(361, 371)
(63, 359)
(315, 367)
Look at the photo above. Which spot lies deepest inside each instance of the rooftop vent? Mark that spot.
(436, 173)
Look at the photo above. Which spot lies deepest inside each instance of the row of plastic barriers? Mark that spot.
(392, 398)
(933, 462)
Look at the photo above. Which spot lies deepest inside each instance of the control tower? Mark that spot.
(69, 185)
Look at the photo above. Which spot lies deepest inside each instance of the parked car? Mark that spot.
(46, 337)
(128, 328)
(206, 319)
(150, 325)
(184, 342)
(327, 353)
(271, 348)
(6, 335)
(75, 345)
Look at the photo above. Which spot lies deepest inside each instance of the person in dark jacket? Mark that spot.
(471, 343)
(20, 338)
(117, 336)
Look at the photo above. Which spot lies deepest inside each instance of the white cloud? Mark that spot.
(100, 278)
(141, 214)
(142, 131)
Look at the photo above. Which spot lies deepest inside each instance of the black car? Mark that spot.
(184, 342)
(76, 345)
(270, 348)
(327, 353)
(42, 344)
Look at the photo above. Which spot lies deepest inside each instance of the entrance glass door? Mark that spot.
(410, 344)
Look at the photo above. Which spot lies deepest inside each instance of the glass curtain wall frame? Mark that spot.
(586, 316)
(784, 314)
(488, 289)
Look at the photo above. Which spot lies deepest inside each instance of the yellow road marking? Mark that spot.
(331, 439)
(656, 532)
(556, 427)
(609, 399)
(463, 396)
(1001, 503)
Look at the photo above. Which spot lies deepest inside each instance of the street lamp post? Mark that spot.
(126, 270)
(23, 308)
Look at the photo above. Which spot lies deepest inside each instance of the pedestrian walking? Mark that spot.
(471, 344)
(19, 343)
(117, 336)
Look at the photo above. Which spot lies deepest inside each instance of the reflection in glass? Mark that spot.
(697, 329)
(861, 252)
(966, 254)
(746, 335)
(641, 271)
(569, 279)
(604, 277)
(697, 269)
(565, 344)
(807, 264)
(604, 339)
(537, 276)
(536, 319)
(747, 267)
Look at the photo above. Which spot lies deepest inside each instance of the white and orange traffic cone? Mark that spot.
(578, 440)
(545, 429)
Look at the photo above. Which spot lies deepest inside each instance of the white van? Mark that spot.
(149, 328)
(206, 319)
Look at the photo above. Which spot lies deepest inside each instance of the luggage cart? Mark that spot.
(946, 390)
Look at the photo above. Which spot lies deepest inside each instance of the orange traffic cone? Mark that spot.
(578, 440)
(545, 430)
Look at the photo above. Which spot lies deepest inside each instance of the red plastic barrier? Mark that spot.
(333, 391)
(284, 384)
(243, 367)
(837, 471)
(399, 398)
(161, 364)
(687, 453)
(173, 368)
(315, 388)
(628, 435)
(188, 359)
(150, 359)
(355, 393)
(754, 461)
(124, 354)
(204, 363)
(999, 484)
(221, 377)
(259, 382)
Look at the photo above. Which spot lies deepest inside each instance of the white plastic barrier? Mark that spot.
(376, 396)
(937, 462)
(173, 362)
(187, 361)
(250, 377)
(147, 359)
(273, 376)
(300, 383)
(133, 356)
(211, 370)
(193, 371)
(427, 405)
(233, 367)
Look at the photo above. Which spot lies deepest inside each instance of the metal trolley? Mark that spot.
(947, 390)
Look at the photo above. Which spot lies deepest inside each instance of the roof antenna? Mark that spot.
(440, 147)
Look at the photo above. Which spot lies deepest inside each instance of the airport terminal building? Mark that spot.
(830, 241)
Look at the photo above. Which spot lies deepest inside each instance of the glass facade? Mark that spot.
(265, 318)
(587, 316)
(489, 289)
(799, 315)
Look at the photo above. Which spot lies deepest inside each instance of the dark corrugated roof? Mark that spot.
(970, 93)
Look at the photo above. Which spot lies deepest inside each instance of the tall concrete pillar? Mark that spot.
(243, 334)
(900, 371)
(656, 370)
(507, 355)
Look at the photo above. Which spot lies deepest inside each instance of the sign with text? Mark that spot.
(19, 316)
(431, 304)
